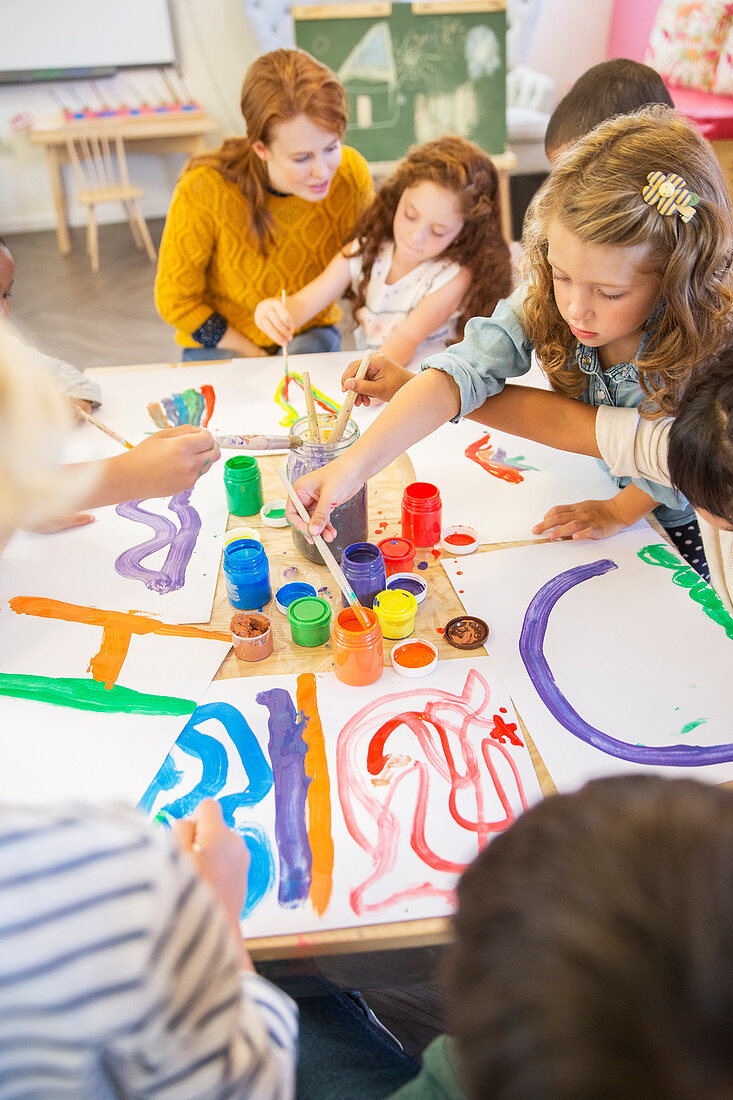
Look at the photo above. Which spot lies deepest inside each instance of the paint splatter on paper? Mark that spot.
(496, 462)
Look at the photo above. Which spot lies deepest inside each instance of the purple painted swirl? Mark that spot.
(531, 650)
(181, 542)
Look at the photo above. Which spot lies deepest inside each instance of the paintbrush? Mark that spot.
(311, 407)
(285, 346)
(343, 417)
(103, 428)
(258, 442)
(328, 558)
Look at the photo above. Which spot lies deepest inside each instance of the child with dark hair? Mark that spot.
(615, 87)
(427, 255)
(593, 955)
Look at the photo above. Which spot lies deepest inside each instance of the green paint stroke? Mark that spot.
(686, 577)
(82, 694)
(690, 726)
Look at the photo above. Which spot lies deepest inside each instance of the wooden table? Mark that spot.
(441, 604)
(183, 132)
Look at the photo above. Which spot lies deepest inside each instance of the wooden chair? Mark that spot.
(100, 170)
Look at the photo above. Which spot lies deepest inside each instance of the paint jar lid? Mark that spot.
(273, 513)
(395, 604)
(466, 632)
(244, 550)
(235, 533)
(409, 582)
(289, 593)
(459, 539)
(310, 611)
(414, 650)
(396, 547)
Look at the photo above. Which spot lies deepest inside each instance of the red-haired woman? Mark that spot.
(263, 213)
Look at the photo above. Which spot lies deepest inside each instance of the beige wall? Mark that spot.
(216, 45)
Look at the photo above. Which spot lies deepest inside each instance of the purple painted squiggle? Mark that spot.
(287, 751)
(531, 643)
(181, 542)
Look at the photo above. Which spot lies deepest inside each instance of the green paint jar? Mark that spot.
(310, 621)
(243, 485)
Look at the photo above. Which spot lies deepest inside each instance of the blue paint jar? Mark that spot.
(363, 564)
(247, 574)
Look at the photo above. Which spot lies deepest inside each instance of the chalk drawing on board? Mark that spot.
(180, 541)
(370, 71)
(482, 52)
(454, 112)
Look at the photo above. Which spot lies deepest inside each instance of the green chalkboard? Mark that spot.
(414, 72)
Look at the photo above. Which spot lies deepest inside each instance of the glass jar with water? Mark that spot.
(350, 518)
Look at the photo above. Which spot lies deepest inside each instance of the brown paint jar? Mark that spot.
(251, 636)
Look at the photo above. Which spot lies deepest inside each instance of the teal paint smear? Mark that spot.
(690, 726)
(83, 694)
(686, 577)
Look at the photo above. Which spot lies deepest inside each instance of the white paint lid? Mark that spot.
(405, 670)
(466, 539)
(268, 513)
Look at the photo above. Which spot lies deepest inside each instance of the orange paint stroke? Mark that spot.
(481, 451)
(117, 629)
(319, 796)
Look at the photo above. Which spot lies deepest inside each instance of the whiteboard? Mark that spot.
(54, 40)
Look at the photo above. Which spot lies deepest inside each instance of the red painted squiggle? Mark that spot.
(481, 451)
(456, 738)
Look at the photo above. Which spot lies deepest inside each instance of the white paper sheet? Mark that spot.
(630, 657)
(53, 752)
(504, 510)
(232, 746)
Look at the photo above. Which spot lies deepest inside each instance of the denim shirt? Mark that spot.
(496, 348)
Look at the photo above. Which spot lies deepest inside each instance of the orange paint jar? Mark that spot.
(358, 655)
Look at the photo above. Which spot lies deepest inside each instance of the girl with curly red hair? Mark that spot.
(427, 255)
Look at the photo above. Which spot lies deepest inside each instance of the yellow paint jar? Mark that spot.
(396, 610)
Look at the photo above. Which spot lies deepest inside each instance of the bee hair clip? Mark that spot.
(671, 195)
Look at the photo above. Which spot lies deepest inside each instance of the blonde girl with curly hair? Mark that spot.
(627, 292)
(426, 257)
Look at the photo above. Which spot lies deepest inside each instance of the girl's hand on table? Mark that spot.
(384, 377)
(588, 519)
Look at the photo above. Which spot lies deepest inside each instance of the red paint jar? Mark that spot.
(422, 513)
(358, 655)
(398, 554)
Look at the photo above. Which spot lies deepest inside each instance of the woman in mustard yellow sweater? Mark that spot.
(263, 213)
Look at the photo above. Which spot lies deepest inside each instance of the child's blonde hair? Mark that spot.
(596, 193)
(35, 417)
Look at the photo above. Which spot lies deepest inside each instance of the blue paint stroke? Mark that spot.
(287, 751)
(169, 406)
(181, 407)
(261, 875)
(531, 650)
(180, 542)
(214, 761)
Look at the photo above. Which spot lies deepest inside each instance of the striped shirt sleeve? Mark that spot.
(120, 974)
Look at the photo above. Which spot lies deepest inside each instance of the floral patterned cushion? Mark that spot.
(686, 41)
(723, 82)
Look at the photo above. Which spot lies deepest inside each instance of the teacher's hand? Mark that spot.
(272, 317)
